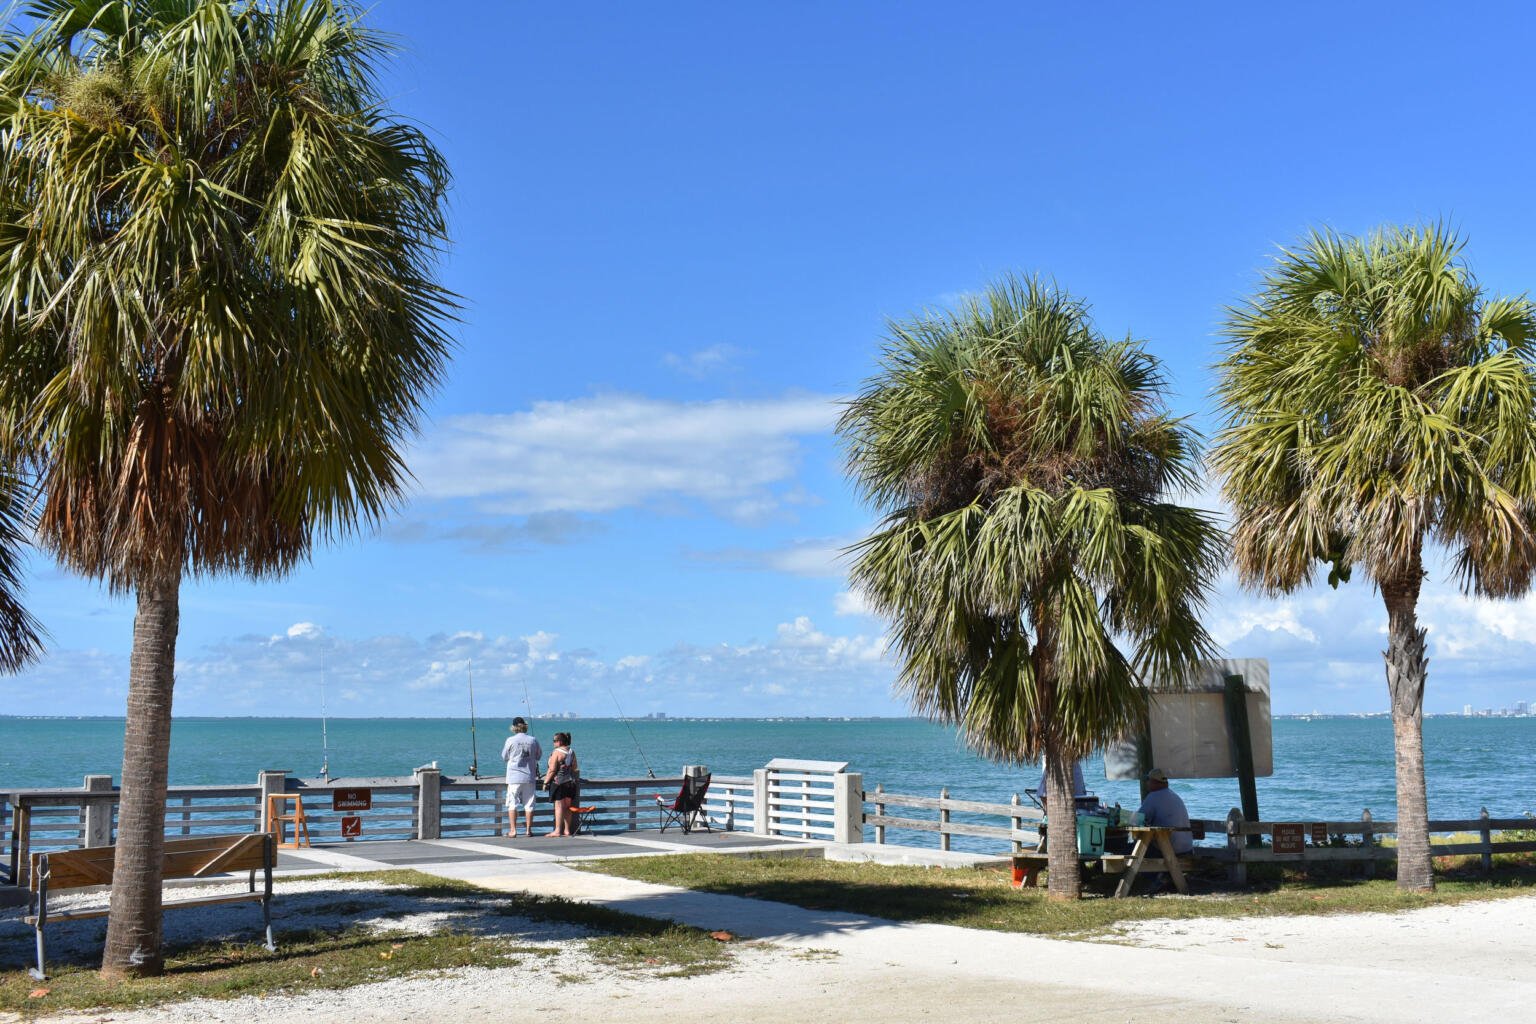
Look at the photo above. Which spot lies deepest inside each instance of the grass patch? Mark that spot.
(985, 897)
(312, 960)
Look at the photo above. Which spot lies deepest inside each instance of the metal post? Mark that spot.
(943, 819)
(1242, 750)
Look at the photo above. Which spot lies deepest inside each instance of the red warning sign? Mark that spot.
(358, 799)
(351, 826)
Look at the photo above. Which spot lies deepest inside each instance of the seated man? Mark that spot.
(1163, 808)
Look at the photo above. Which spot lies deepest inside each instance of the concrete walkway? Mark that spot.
(943, 971)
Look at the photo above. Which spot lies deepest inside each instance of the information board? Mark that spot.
(1189, 728)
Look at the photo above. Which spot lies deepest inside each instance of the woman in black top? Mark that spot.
(561, 780)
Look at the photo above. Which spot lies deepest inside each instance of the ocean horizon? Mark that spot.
(1329, 768)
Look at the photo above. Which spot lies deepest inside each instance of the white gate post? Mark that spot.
(760, 823)
(848, 807)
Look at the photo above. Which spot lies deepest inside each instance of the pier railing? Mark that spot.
(804, 799)
(809, 800)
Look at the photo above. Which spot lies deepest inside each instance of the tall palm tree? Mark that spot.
(1033, 571)
(1376, 401)
(218, 318)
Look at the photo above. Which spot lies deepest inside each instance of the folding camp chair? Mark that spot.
(686, 810)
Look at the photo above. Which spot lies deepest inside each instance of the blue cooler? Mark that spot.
(1090, 834)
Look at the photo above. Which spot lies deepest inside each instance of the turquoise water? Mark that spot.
(1325, 768)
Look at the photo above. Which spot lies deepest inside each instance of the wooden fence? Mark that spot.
(1303, 842)
(1020, 826)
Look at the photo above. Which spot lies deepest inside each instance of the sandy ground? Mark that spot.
(1472, 963)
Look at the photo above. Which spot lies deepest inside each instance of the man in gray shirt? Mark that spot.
(522, 754)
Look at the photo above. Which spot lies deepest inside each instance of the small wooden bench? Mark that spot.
(200, 857)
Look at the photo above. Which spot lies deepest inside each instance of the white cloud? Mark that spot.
(603, 453)
(703, 362)
(303, 629)
(852, 602)
(1237, 624)
(816, 558)
(799, 670)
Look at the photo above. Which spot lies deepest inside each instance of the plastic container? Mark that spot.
(1090, 834)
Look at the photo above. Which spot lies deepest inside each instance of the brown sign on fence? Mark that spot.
(351, 826)
(1289, 838)
(360, 799)
(1319, 834)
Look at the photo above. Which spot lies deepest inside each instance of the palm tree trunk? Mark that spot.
(134, 923)
(1063, 881)
(1407, 670)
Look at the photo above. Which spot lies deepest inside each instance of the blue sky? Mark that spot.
(678, 230)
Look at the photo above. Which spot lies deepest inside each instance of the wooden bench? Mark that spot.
(1027, 866)
(184, 858)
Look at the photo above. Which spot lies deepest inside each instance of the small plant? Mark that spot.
(1520, 835)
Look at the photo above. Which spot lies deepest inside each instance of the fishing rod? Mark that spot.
(325, 738)
(648, 770)
(474, 749)
(527, 704)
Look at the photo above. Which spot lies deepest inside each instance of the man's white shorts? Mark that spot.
(520, 794)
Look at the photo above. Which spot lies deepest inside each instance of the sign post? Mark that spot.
(1242, 749)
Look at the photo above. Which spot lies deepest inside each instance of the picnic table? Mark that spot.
(1151, 850)
(1148, 838)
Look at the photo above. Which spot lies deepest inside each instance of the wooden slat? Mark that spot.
(1470, 848)
(74, 869)
(250, 824)
(244, 854)
(954, 828)
(969, 806)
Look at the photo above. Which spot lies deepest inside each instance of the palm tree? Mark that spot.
(218, 318)
(1377, 400)
(20, 634)
(1032, 571)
